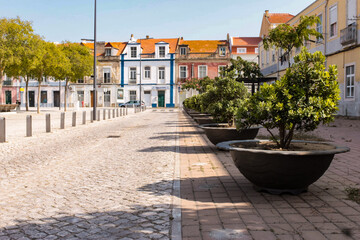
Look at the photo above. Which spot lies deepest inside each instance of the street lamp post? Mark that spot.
(140, 75)
(94, 83)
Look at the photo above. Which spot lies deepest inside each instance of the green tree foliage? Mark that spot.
(197, 84)
(195, 103)
(241, 68)
(288, 37)
(13, 33)
(47, 61)
(223, 99)
(81, 63)
(304, 97)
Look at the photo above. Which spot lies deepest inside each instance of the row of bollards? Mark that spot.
(138, 109)
(111, 113)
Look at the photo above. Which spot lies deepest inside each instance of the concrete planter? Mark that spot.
(280, 172)
(218, 132)
(204, 120)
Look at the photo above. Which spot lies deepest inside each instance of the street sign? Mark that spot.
(22, 89)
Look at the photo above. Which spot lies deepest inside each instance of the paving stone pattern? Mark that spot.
(219, 203)
(106, 180)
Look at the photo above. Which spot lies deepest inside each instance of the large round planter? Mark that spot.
(280, 171)
(219, 132)
(204, 120)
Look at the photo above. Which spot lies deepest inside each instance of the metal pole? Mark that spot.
(59, 95)
(94, 84)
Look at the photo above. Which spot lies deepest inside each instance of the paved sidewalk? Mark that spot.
(111, 179)
(219, 203)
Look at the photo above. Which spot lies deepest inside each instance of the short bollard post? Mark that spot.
(28, 125)
(126, 110)
(109, 113)
(84, 117)
(2, 130)
(62, 120)
(48, 123)
(113, 113)
(91, 116)
(121, 111)
(74, 119)
(117, 112)
(104, 114)
(98, 115)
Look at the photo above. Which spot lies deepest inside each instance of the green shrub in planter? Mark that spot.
(223, 98)
(303, 98)
(194, 103)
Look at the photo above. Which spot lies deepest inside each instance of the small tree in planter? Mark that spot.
(223, 98)
(241, 68)
(197, 84)
(306, 96)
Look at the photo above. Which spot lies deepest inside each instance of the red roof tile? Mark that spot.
(279, 17)
(148, 45)
(203, 46)
(246, 41)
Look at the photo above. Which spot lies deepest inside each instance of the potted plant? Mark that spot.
(222, 101)
(303, 98)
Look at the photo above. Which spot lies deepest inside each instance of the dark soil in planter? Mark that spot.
(296, 146)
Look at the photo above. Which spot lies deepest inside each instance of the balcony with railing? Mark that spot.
(7, 82)
(349, 35)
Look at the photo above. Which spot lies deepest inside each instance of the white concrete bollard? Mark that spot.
(48, 122)
(74, 119)
(2, 130)
(62, 120)
(84, 118)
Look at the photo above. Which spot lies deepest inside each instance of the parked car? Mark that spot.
(132, 103)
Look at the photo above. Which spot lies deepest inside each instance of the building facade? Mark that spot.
(147, 71)
(245, 47)
(196, 59)
(340, 44)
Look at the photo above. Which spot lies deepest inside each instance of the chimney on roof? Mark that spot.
(267, 13)
(147, 37)
(228, 37)
(181, 38)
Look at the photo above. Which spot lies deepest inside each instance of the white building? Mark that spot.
(147, 67)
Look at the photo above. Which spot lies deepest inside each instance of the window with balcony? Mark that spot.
(182, 51)
(147, 72)
(183, 72)
(333, 20)
(162, 51)
(319, 27)
(162, 74)
(222, 51)
(350, 81)
(133, 51)
(107, 52)
(349, 34)
(202, 71)
(256, 50)
(241, 50)
(132, 78)
(107, 75)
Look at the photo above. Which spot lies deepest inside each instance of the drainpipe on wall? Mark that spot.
(325, 38)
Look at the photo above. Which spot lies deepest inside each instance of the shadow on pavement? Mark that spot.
(142, 223)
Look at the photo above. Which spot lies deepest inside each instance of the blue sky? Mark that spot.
(59, 20)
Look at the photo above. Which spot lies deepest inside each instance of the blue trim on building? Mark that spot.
(154, 105)
(170, 105)
(122, 70)
(171, 81)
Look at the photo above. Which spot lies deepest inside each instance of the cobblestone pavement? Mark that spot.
(219, 203)
(91, 182)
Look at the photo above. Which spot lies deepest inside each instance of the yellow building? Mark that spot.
(339, 26)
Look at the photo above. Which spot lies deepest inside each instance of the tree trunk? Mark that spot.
(65, 93)
(38, 103)
(26, 92)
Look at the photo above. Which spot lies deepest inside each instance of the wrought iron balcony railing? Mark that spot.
(349, 35)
